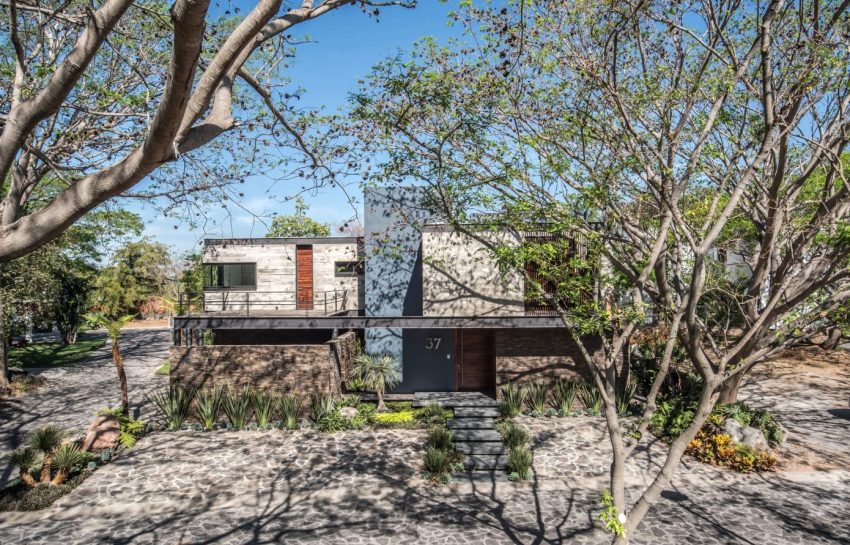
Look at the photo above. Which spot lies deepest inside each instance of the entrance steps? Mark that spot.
(474, 427)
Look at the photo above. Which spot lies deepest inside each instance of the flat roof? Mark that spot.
(353, 321)
(280, 240)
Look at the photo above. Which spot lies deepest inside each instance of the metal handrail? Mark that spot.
(239, 300)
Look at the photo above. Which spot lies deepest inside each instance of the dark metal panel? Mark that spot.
(364, 322)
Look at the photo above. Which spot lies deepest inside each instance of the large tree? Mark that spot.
(298, 224)
(97, 98)
(668, 140)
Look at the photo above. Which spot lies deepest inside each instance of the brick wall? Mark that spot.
(301, 369)
(345, 347)
(532, 355)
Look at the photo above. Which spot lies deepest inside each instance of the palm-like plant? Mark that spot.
(113, 327)
(67, 456)
(377, 373)
(46, 440)
(26, 459)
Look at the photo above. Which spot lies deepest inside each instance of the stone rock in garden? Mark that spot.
(348, 412)
(754, 438)
(102, 434)
(734, 430)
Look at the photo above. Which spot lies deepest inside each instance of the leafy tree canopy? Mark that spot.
(298, 224)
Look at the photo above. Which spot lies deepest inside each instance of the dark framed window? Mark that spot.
(230, 275)
(348, 268)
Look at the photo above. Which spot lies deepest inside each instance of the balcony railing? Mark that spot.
(263, 303)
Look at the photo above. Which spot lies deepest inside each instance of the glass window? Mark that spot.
(230, 275)
(348, 268)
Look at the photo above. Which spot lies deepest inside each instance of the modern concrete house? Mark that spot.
(412, 287)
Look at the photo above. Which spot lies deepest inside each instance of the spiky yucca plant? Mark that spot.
(26, 459)
(591, 398)
(538, 394)
(377, 373)
(67, 456)
(237, 408)
(321, 404)
(290, 410)
(264, 405)
(513, 397)
(565, 395)
(173, 404)
(46, 440)
(208, 406)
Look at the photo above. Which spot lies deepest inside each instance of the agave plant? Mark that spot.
(513, 397)
(624, 396)
(290, 410)
(591, 398)
(208, 405)
(66, 458)
(264, 404)
(173, 404)
(564, 395)
(321, 405)
(46, 440)
(237, 407)
(538, 394)
(26, 459)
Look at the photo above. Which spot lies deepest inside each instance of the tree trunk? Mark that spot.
(61, 477)
(122, 377)
(27, 479)
(69, 336)
(5, 385)
(46, 466)
(382, 407)
(833, 340)
(729, 390)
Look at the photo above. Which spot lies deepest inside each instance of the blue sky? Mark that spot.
(347, 44)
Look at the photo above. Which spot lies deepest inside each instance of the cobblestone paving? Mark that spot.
(364, 487)
(75, 393)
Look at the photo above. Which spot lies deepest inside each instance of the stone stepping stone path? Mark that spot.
(474, 427)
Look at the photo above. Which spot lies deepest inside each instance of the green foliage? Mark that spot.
(237, 407)
(437, 463)
(141, 270)
(514, 435)
(609, 516)
(332, 422)
(290, 410)
(321, 404)
(67, 457)
(440, 437)
(377, 373)
(672, 416)
(760, 419)
(623, 397)
(564, 395)
(434, 413)
(25, 459)
(130, 429)
(208, 405)
(164, 369)
(264, 406)
(538, 396)
(298, 224)
(513, 397)
(70, 303)
(716, 448)
(21, 497)
(400, 417)
(349, 400)
(173, 405)
(591, 398)
(399, 405)
(519, 462)
(53, 354)
(46, 439)
(112, 325)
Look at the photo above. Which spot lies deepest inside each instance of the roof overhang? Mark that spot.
(365, 322)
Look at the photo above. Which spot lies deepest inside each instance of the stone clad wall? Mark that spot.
(537, 355)
(301, 369)
(345, 347)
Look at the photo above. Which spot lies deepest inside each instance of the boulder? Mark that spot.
(348, 412)
(754, 438)
(733, 430)
(102, 433)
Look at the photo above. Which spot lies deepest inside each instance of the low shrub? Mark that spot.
(514, 436)
(399, 405)
(519, 463)
(237, 408)
(131, 430)
(332, 422)
(173, 404)
(440, 437)
(719, 449)
(538, 396)
(400, 417)
(591, 398)
(624, 396)
(437, 463)
(513, 397)
(208, 406)
(321, 404)
(564, 395)
(263, 404)
(672, 416)
(290, 410)
(20, 497)
(349, 400)
(434, 413)
(760, 419)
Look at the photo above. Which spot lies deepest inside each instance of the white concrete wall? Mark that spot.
(460, 277)
(276, 276)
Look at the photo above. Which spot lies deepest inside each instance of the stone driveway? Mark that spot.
(75, 393)
(364, 487)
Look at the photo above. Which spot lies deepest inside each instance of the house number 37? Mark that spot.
(432, 343)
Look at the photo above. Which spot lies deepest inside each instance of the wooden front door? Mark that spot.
(476, 360)
(304, 277)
